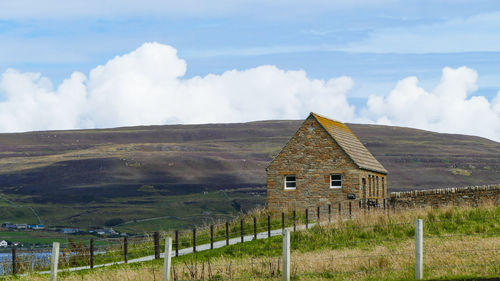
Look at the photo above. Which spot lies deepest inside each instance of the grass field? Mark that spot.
(459, 242)
(163, 213)
(32, 237)
(151, 212)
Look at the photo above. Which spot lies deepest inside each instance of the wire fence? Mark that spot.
(472, 252)
(349, 246)
(464, 251)
(99, 251)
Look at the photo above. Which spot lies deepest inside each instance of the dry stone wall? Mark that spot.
(471, 195)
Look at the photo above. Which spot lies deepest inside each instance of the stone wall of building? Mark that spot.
(471, 195)
(312, 156)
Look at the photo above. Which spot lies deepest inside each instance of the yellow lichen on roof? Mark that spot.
(350, 144)
(332, 123)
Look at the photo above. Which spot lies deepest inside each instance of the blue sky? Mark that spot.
(57, 37)
(376, 43)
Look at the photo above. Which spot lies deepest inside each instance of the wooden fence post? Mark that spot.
(227, 233)
(254, 227)
(194, 240)
(384, 204)
(211, 236)
(167, 259)
(156, 241)
(241, 230)
(329, 213)
(14, 260)
(307, 218)
(340, 210)
(91, 253)
(318, 214)
(177, 243)
(125, 249)
(282, 222)
(268, 226)
(350, 209)
(286, 255)
(294, 221)
(419, 250)
(54, 261)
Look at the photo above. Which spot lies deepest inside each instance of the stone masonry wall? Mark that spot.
(312, 156)
(472, 195)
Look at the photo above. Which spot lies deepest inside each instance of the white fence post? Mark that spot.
(286, 255)
(419, 250)
(54, 261)
(167, 259)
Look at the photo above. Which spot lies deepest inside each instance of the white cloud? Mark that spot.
(32, 104)
(447, 108)
(146, 86)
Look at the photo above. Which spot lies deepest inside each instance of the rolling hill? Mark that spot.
(93, 170)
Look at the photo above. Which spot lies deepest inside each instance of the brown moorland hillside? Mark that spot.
(186, 158)
(99, 166)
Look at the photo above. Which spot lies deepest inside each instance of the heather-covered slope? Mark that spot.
(137, 167)
(185, 158)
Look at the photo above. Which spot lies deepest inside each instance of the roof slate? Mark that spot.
(350, 144)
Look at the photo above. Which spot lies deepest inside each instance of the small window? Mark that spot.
(335, 181)
(290, 182)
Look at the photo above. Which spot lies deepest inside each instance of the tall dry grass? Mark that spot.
(458, 241)
(443, 257)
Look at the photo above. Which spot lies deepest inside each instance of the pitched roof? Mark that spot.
(352, 146)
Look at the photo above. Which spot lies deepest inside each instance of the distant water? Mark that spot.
(42, 258)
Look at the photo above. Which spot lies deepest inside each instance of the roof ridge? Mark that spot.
(316, 114)
(355, 150)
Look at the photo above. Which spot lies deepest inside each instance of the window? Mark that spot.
(383, 187)
(290, 182)
(370, 187)
(335, 181)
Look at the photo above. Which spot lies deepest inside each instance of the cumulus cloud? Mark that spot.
(449, 107)
(31, 103)
(146, 86)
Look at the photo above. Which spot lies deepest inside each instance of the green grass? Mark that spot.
(352, 234)
(17, 214)
(161, 213)
(40, 238)
(364, 235)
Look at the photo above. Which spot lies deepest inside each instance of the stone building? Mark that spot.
(323, 163)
